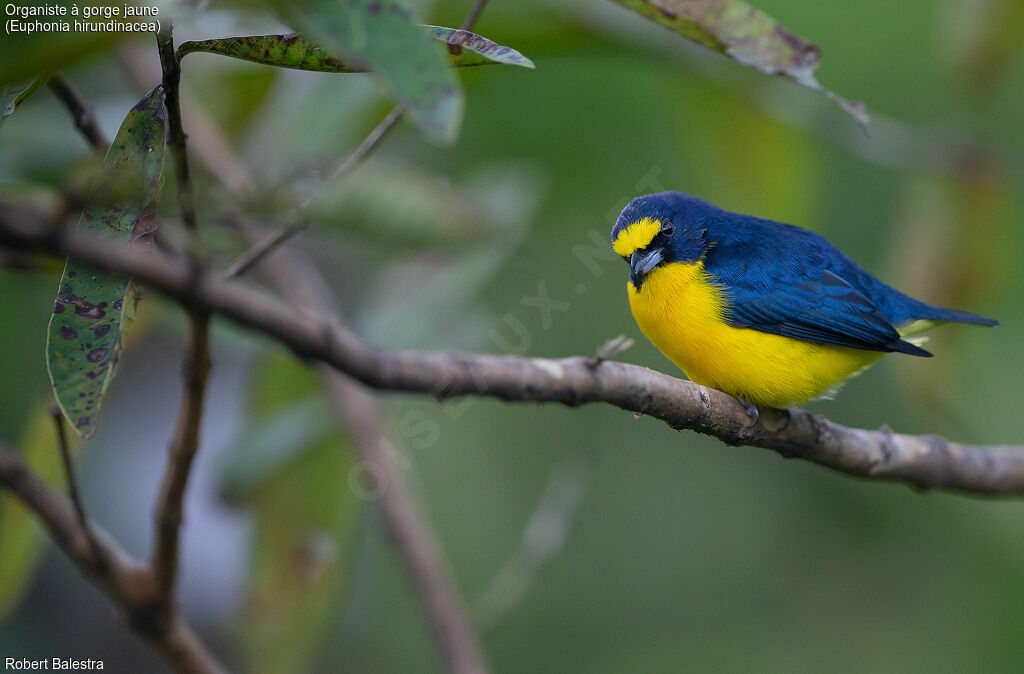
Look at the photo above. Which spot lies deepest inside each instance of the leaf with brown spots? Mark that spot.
(747, 35)
(93, 310)
(295, 51)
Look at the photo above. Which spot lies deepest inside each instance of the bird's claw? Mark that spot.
(752, 411)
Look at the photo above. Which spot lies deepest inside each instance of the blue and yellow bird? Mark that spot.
(768, 312)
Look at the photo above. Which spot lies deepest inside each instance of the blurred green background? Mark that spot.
(660, 551)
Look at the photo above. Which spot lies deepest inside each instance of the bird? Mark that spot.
(771, 313)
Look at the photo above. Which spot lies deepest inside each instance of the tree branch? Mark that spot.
(261, 248)
(923, 461)
(474, 14)
(416, 544)
(183, 450)
(112, 570)
(81, 112)
(302, 286)
(268, 244)
(169, 511)
(146, 594)
(175, 132)
(370, 142)
(69, 468)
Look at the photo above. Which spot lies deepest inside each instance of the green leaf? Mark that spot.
(268, 447)
(295, 51)
(11, 97)
(281, 381)
(747, 35)
(382, 35)
(305, 517)
(23, 540)
(93, 310)
(304, 534)
(400, 208)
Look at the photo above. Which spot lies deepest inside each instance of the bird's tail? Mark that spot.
(932, 316)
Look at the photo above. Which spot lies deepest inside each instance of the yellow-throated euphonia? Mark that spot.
(768, 312)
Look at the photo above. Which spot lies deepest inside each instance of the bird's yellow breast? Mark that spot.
(681, 311)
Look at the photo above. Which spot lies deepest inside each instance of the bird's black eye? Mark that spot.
(667, 229)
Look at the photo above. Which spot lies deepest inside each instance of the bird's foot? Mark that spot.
(752, 411)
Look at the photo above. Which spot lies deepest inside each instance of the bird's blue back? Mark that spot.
(753, 256)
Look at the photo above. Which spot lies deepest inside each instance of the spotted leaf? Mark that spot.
(93, 310)
(296, 51)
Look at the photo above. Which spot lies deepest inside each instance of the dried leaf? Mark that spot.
(93, 310)
(470, 49)
(747, 35)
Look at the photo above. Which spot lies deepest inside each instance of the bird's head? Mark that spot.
(660, 229)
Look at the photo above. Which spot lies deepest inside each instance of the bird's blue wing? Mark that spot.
(793, 294)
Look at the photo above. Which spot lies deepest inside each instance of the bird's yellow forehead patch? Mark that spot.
(636, 236)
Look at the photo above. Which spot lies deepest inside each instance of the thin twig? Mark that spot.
(926, 461)
(182, 452)
(118, 575)
(69, 468)
(176, 139)
(370, 142)
(302, 286)
(170, 503)
(474, 14)
(81, 112)
(270, 242)
(543, 537)
(146, 594)
(259, 250)
(416, 544)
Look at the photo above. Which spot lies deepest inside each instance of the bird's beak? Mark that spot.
(641, 262)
